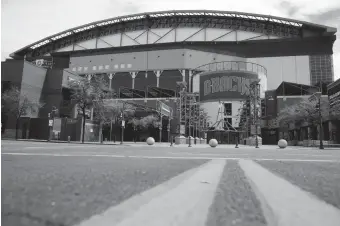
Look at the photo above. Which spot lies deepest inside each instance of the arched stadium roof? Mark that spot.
(264, 24)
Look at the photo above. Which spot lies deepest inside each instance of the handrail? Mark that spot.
(232, 66)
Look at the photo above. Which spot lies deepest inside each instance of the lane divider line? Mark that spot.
(184, 200)
(288, 204)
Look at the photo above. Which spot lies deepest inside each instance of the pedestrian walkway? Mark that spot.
(166, 144)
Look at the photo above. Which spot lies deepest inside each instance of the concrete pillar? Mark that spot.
(133, 75)
(110, 78)
(190, 80)
(89, 76)
(158, 74)
(183, 75)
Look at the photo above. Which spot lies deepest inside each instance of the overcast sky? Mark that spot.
(26, 21)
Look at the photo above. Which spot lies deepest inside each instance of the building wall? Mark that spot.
(294, 69)
(11, 71)
(321, 68)
(141, 61)
(52, 91)
(32, 83)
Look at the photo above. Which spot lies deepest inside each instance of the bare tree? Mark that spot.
(18, 104)
(87, 94)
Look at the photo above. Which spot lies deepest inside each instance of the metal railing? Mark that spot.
(232, 66)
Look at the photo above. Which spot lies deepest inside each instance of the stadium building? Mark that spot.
(218, 54)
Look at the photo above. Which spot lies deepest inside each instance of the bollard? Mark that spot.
(69, 139)
(282, 143)
(213, 143)
(150, 141)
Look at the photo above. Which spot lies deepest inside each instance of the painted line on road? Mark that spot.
(63, 155)
(59, 147)
(183, 200)
(168, 157)
(204, 154)
(288, 204)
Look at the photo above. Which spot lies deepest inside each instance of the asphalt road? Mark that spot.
(66, 184)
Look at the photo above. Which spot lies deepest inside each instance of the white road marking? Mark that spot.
(204, 154)
(166, 157)
(63, 155)
(58, 147)
(290, 205)
(183, 200)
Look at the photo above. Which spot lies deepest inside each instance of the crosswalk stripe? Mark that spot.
(289, 205)
(183, 200)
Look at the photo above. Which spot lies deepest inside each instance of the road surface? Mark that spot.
(88, 184)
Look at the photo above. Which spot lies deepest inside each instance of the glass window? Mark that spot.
(227, 109)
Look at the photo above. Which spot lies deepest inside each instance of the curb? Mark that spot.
(64, 142)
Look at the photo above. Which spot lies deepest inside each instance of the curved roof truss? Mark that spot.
(268, 25)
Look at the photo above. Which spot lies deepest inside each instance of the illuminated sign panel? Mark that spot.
(222, 85)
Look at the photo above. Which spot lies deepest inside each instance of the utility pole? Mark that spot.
(160, 128)
(321, 127)
(189, 123)
(255, 94)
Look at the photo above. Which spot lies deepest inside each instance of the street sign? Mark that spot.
(123, 123)
(50, 122)
(164, 109)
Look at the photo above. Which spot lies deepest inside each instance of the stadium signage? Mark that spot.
(235, 85)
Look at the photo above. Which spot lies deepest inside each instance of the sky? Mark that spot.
(26, 21)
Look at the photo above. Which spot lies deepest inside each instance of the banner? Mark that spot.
(225, 85)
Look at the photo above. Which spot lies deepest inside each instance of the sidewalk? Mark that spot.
(166, 144)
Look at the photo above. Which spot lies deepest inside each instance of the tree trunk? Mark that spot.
(84, 121)
(16, 128)
(100, 132)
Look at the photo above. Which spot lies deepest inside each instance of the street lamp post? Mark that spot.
(318, 95)
(51, 122)
(160, 129)
(123, 125)
(321, 126)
